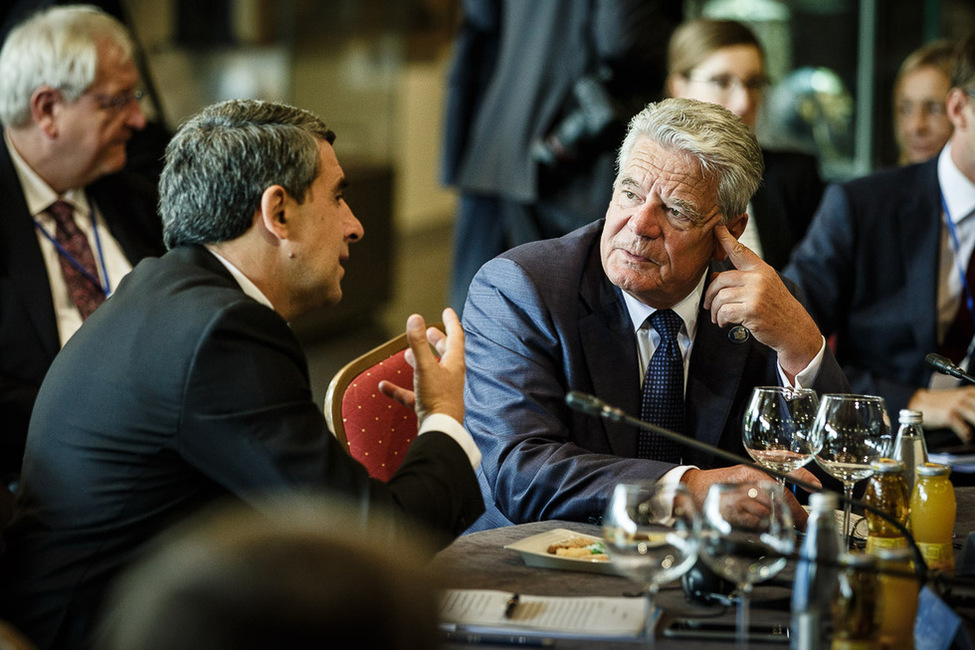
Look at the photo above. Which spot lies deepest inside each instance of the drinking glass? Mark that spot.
(776, 427)
(645, 550)
(851, 431)
(746, 537)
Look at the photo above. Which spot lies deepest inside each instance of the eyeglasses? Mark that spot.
(925, 109)
(724, 84)
(117, 103)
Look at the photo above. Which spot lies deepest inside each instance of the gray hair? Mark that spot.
(716, 138)
(220, 162)
(56, 47)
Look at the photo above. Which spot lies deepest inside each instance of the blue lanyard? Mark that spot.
(962, 273)
(106, 288)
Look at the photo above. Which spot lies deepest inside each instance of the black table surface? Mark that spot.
(480, 561)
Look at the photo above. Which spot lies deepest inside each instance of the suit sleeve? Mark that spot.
(824, 267)
(250, 424)
(541, 460)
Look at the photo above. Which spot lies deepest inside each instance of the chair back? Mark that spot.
(373, 428)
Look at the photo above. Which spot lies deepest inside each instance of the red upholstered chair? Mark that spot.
(373, 428)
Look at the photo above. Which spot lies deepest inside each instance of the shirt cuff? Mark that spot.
(806, 377)
(662, 508)
(446, 424)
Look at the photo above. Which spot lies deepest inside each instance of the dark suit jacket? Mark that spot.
(541, 49)
(785, 202)
(28, 325)
(180, 390)
(869, 270)
(543, 319)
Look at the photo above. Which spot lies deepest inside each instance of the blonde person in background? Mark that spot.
(722, 62)
(921, 124)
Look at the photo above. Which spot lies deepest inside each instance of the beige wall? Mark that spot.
(384, 108)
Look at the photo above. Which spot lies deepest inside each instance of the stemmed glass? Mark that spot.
(776, 427)
(851, 431)
(746, 537)
(641, 547)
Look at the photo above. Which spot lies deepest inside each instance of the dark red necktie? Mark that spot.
(83, 286)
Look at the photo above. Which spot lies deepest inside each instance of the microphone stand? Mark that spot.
(592, 405)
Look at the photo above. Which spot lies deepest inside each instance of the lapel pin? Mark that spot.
(738, 334)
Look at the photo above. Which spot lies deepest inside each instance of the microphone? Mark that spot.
(946, 367)
(592, 405)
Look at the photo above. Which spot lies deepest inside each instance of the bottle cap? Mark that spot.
(932, 469)
(910, 416)
(887, 466)
(823, 501)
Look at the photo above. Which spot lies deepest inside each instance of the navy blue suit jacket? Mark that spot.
(868, 268)
(543, 319)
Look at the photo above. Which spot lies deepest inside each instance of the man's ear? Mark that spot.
(735, 226)
(43, 104)
(955, 104)
(273, 213)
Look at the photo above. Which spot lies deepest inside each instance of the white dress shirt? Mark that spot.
(959, 194)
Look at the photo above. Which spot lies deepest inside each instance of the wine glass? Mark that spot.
(746, 537)
(851, 431)
(640, 545)
(776, 427)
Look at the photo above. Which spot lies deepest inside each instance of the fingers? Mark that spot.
(454, 344)
(740, 255)
(417, 337)
(806, 476)
(398, 393)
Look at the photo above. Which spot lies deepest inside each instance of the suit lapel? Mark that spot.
(26, 265)
(610, 352)
(711, 387)
(920, 249)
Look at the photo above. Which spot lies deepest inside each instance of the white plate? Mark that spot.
(534, 551)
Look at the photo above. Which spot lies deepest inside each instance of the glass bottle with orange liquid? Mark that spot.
(933, 516)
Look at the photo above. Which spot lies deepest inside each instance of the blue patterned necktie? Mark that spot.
(663, 390)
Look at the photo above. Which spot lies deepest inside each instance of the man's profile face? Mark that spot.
(320, 230)
(95, 128)
(657, 239)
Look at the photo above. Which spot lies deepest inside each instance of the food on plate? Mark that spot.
(580, 548)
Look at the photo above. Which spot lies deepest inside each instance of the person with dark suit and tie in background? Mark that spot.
(723, 62)
(72, 224)
(202, 390)
(592, 312)
(887, 268)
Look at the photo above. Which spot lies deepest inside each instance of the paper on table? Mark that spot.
(483, 610)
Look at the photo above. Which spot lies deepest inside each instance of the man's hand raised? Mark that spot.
(754, 295)
(438, 382)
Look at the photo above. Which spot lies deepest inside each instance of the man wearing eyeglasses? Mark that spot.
(887, 267)
(72, 224)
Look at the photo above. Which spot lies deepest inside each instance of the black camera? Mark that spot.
(592, 113)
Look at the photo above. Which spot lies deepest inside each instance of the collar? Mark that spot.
(958, 190)
(37, 193)
(688, 308)
(245, 283)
